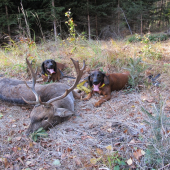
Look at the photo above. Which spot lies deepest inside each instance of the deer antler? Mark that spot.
(79, 75)
(38, 100)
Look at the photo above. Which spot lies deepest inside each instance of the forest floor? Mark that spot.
(92, 139)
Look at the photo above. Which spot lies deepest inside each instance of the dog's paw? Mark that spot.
(97, 104)
(85, 99)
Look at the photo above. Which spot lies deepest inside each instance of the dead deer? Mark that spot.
(53, 102)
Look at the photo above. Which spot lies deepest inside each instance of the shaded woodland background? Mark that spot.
(94, 19)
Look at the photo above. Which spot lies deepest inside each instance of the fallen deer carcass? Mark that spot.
(53, 102)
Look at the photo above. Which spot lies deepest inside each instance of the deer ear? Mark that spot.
(106, 79)
(63, 112)
(89, 81)
(42, 68)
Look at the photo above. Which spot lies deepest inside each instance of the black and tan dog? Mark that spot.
(52, 71)
(105, 84)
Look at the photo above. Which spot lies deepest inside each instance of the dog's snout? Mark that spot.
(50, 65)
(95, 81)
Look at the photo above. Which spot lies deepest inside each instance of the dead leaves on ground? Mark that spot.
(138, 153)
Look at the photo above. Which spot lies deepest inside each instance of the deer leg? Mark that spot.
(78, 95)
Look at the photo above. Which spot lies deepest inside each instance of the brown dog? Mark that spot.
(51, 70)
(105, 84)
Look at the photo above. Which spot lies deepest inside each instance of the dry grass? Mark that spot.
(117, 123)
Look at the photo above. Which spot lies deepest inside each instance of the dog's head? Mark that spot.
(49, 67)
(96, 79)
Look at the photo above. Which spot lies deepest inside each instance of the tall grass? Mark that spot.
(113, 54)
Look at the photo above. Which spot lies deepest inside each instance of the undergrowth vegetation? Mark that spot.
(158, 151)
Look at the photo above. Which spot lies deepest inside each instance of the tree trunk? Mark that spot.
(27, 25)
(9, 32)
(141, 26)
(118, 18)
(88, 19)
(96, 24)
(54, 22)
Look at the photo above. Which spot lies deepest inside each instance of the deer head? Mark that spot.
(55, 110)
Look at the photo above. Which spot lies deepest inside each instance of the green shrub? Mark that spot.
(136, 68)
(158, 150)
(134, 38)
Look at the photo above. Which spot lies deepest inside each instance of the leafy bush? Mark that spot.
(134, 38)
(147, 37)
(157, 37)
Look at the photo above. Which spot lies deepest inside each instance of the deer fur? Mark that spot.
(48, 112)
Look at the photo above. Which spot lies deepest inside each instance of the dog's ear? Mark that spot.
(55, 66)
(42, 69)
(89, 81)
(106, 79)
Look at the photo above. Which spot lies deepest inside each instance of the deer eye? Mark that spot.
(46, 118)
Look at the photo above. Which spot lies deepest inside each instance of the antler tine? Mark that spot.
(79, 75)
(38, 100)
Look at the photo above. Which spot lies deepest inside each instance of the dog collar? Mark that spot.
(102, 85)
(46, 74)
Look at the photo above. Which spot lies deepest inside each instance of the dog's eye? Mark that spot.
(98, 75)
(92, 75)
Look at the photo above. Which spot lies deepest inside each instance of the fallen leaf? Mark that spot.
(85, 137)
(141, 130)
(30, 144)
(69, 149)
(109, 147)
(138, 153)
(143, 152)
(28, 163)
(129, 161)
(150, 101)
(56, 162)
(131, 114)
(110, 130)
(132, 141)
(14, 149)
(93, 161)
(99, 151)
(1, 115)
(125, 131)
(18, 138)
(19, 148)
(20, 160)
(5, 161)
